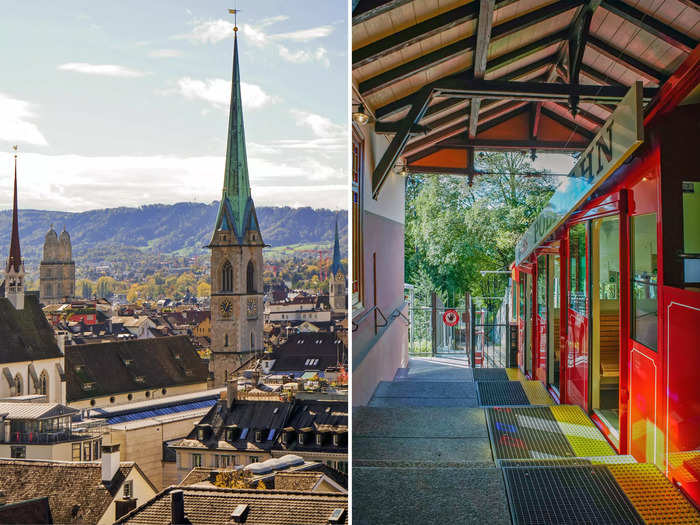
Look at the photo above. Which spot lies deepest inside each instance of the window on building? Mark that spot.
(319, 439)
(227, 277)
(196, 460)
(301, 438)
(358, 147)
(254, 459)
(75, 456)
(644, 283)
(44, 383)
(336, 440)
(18, 385)
(225, 339)
(250, 277)
(87, 452)
(129, 490)
(258, 436)
(18, 452)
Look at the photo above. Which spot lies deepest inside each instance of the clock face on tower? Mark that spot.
(252, 308)
(226, 308)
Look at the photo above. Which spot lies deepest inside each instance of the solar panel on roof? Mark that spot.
(271, 434)
(144, 414)
(244, 433)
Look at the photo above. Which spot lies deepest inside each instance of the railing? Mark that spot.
(375, 310)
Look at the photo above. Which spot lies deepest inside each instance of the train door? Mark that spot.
(577, 317)
(528, 324)
(541, 319)
(605, 321)
(553, 321)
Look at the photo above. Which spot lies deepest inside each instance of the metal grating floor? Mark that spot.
(499, 393)
(567, 495)
(526, 433)
(490, 374)
(573, 462)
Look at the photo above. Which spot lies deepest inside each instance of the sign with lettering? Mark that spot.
(621, 134)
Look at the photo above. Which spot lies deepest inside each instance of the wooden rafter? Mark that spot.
(367, 9)
(483, 38)
(443, 54)
(578, 38)
(626, 60)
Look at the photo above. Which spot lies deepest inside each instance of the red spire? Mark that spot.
(15, 259)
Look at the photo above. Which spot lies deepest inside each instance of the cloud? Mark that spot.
(15, 122)
(217, 92)
(208, 32)
(79, 183)
(321, 126)
(305, 35)
(165, 53)
(110, 70)
(302, 56)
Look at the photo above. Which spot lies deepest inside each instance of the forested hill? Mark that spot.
(182, 228)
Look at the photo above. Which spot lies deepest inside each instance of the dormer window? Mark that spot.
(300, 439)
(200, 434)
(319, 439)
(258, 436)
(336, 440)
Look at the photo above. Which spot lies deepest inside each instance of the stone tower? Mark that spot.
(57, 269)
(337, 285)
(236, 256)
(14, 269)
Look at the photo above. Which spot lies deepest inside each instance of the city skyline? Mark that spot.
(136, 108)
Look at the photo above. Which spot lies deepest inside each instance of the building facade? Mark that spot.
(236, 257)
(57, 269)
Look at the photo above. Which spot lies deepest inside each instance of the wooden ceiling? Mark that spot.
(443, 77)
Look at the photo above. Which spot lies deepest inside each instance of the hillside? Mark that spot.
(178, 229)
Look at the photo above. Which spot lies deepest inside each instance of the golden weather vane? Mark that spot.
(234, 12)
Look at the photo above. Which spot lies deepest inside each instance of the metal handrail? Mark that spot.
(374, 309)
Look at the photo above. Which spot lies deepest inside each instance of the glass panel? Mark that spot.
(691, 231)
(554, 294)
(578, 290)
(644, 279)
(357, 254)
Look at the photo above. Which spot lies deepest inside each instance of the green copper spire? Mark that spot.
(236, 191)
(336, 267)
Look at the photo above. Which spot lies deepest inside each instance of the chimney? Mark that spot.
(177, 507)
(231, 392)
(255, 377)
(110, 462)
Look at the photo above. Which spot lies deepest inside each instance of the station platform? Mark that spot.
(445, 443)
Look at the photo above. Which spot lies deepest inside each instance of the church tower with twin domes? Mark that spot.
(57, 269)
(236, 256)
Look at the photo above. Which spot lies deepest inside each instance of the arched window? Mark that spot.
(252, 341)
(44, 383)
(225, 339)
(227, 277)
(18, 385)
(250, 275)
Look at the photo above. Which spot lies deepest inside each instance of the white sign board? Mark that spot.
(621, 134)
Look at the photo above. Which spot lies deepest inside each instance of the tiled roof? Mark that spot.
(294, 354)
(304, 481)
(26, 335)
(317, 416)
(75, 490)
(101, 369)
(33, 511)
(212, 506)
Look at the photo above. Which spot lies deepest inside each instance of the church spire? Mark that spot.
(14, 261)
(335, 268)
(233, 207)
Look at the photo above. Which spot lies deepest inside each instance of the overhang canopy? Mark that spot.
(445, 78)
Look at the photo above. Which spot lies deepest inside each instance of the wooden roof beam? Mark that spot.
(651, 25)
(443, 54)
(483, 37)
(367, 9)
(577, 45)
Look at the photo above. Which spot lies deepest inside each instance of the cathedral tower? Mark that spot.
(337, 285)
(236, 256)
(14, 269)
(57, 269)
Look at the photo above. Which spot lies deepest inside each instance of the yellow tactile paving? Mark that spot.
(677, 464)
(653, 495)
(612, 460)
(584, 437)
(536, 393)
(514, 374)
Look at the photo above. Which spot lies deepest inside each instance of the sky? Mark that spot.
(126, 103)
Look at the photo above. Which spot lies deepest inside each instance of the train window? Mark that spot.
(644, 279)
(691, 232)
(578, 287)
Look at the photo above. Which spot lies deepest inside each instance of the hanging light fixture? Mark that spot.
(360, 116)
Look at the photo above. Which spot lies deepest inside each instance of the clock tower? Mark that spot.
(236, 256)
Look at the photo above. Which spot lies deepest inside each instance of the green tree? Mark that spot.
(105, 286)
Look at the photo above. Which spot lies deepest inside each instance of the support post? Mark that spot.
(433, 322)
